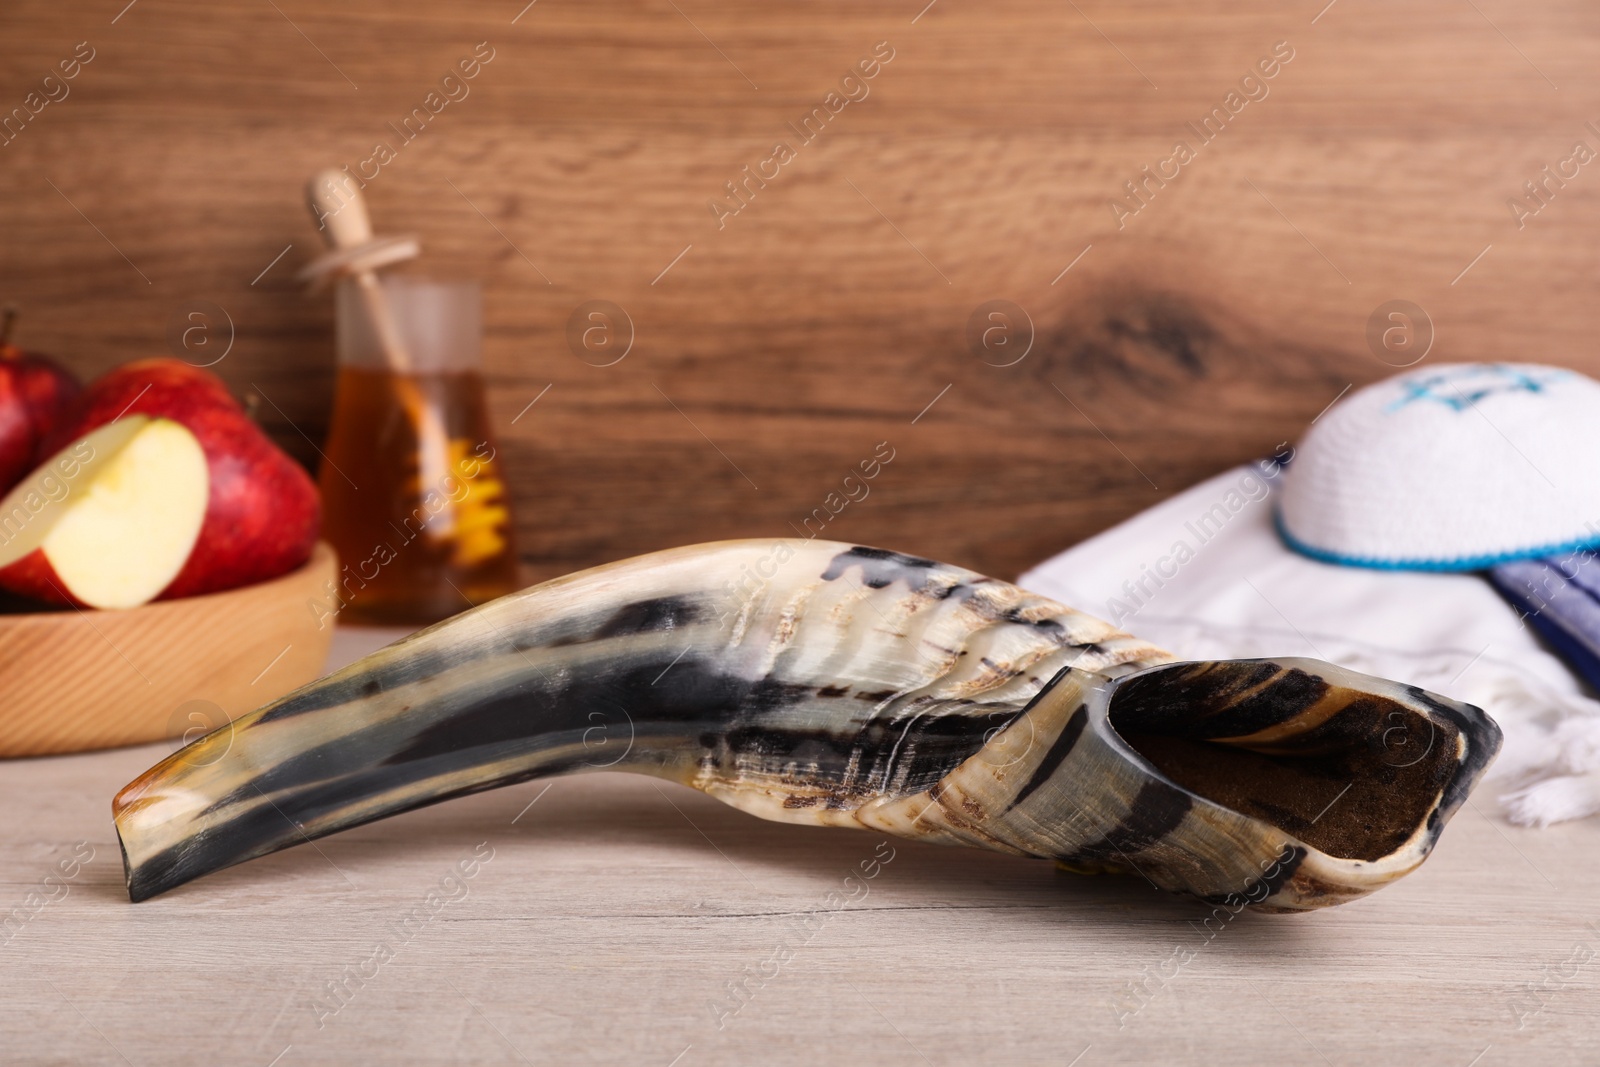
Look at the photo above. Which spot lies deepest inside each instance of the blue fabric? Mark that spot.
(1560, 597)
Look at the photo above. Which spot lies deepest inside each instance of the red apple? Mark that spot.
(35, 394)
(260, 509)
(109, 521)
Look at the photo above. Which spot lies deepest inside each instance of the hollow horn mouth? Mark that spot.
(1357, 774)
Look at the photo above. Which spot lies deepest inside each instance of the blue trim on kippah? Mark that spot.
(1467, 563)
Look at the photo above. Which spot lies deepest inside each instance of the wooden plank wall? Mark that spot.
(794, 336)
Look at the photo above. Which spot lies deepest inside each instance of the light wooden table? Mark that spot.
(613, 914)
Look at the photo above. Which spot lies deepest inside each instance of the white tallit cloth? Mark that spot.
(1205, 575)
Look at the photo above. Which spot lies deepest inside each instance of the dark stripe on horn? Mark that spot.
(266, 828)
(1216, 700)
(649, 616)
(1064, 744)
(1483, 742)
(881, 568)
(1274, 878)
(1156, 811)
(374, 678)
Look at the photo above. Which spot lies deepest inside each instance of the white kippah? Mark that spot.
(1455, 467)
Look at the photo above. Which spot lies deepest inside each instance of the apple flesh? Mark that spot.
(110, 521)
(35, 396)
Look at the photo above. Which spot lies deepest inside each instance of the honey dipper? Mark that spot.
(341, 211)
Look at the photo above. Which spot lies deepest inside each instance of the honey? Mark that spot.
(414, 498)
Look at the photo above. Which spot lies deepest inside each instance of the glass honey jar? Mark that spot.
(413, 489)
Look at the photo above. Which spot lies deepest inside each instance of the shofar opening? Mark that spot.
(1354, 773)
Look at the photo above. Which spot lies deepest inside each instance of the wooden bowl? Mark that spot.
(74, 680)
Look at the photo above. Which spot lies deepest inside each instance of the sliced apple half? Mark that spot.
(110, 520)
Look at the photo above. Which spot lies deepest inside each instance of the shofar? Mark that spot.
(814, 682)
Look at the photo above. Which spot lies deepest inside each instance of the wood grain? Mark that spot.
(77, 680)
(829, 312)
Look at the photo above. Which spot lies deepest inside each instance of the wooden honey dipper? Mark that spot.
(341, 211)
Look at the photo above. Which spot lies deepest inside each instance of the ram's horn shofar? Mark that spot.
(811, 682)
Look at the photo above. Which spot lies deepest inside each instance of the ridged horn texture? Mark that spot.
(814, 682)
